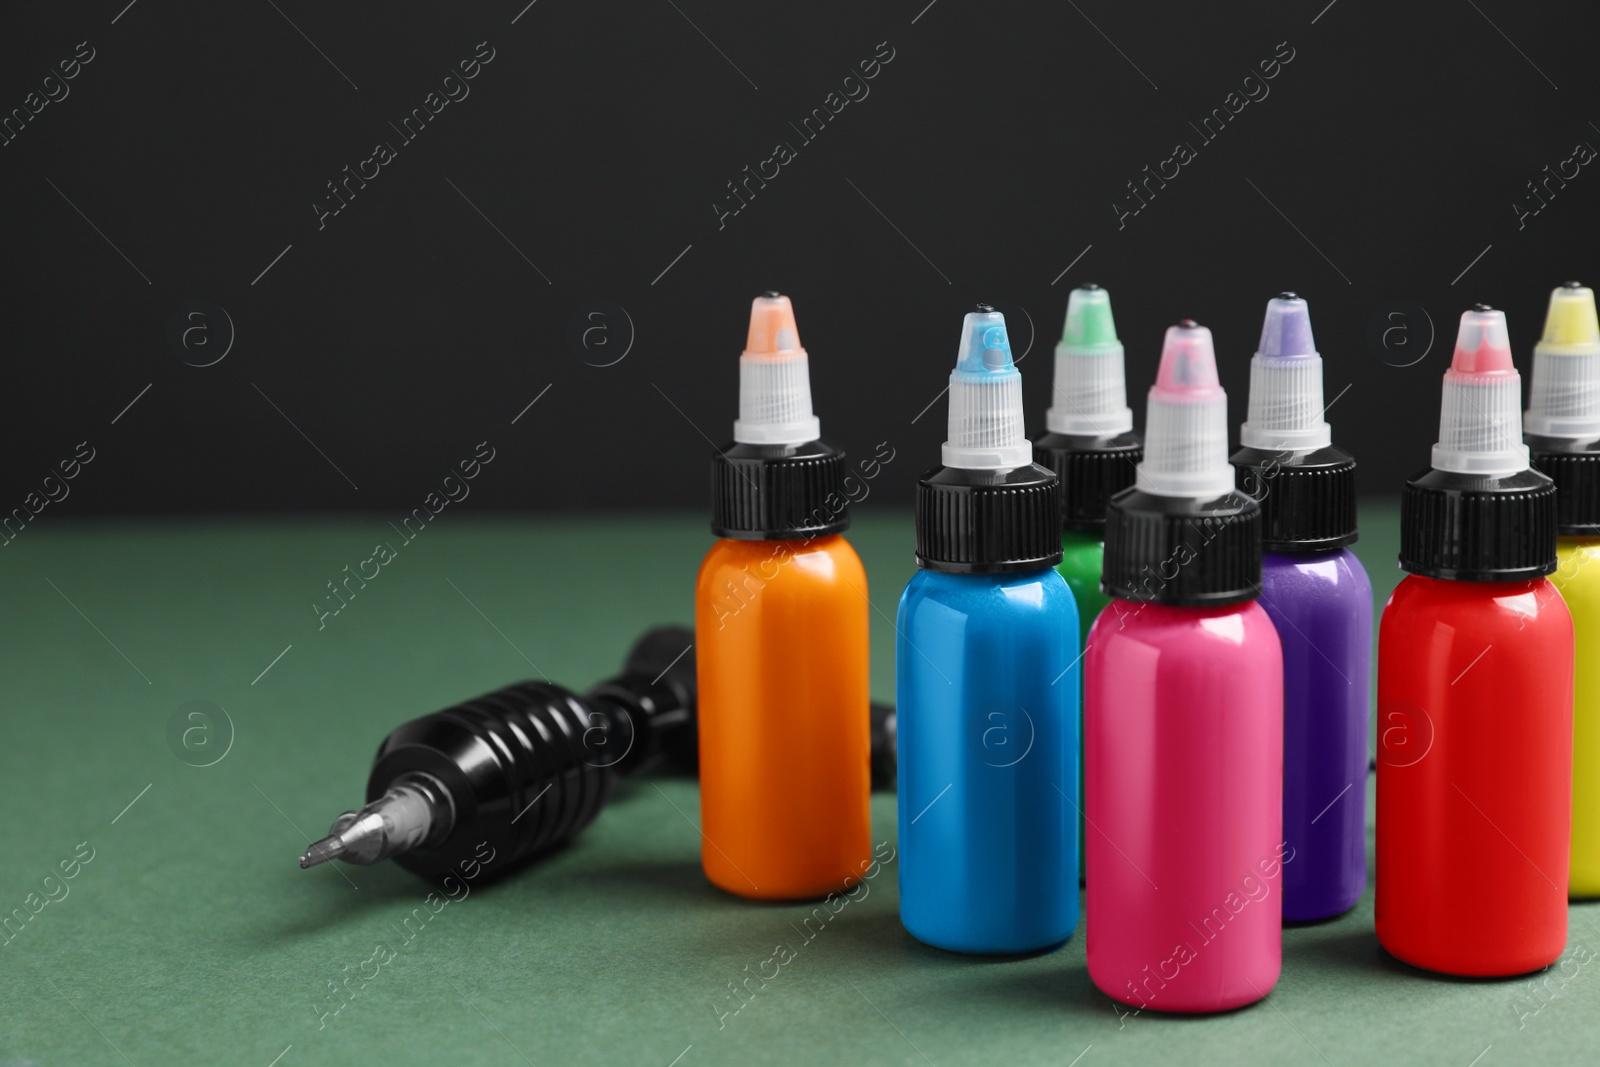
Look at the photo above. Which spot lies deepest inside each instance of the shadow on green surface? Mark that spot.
(330, 897)
(1358, 952)
(671, 881)
(1068, 988)
(1326, 920)
(1065, 984)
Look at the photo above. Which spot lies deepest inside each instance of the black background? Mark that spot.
(599, 138)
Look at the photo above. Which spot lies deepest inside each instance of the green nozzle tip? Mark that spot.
(1089, 322)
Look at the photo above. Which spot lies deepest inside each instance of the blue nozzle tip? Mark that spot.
(985, 347)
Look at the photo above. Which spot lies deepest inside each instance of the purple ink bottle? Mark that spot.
(1318, 596)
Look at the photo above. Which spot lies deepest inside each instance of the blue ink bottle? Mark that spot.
(986, 663)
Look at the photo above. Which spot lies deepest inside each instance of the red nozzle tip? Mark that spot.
(1483, 345)
(1188, 364)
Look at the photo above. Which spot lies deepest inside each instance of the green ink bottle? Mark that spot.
(1091, 446)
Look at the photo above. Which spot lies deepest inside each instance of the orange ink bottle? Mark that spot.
(781, 642)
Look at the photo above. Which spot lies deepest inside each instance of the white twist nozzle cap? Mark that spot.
(774, 379)
(985, 430)
(1564, 395)
(1091, 395)
(1186, 421)
(1285, 412)
(1480, 412)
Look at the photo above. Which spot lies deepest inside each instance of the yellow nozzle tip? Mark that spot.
(772, 326)
(1571, 318)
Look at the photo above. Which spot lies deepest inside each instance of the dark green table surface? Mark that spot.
(191, 936)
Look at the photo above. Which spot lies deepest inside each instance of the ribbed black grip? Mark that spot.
(522, 773)
(1575, 468)
(1092, 469)
(1477, 528)
(551, 737)
(988, 522)
(1308, 499)
(774, 492)
(1180, 551)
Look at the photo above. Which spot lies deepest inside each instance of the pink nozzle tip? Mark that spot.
(1483, 346)
(1188, 365)
(772, 326)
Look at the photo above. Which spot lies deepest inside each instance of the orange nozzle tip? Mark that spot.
(772, 326)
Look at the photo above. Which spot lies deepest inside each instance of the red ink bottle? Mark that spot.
(1475, 673)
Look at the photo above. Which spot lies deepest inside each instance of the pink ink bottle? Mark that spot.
(1183, 720)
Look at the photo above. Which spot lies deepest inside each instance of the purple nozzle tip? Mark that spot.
(1286, 330)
